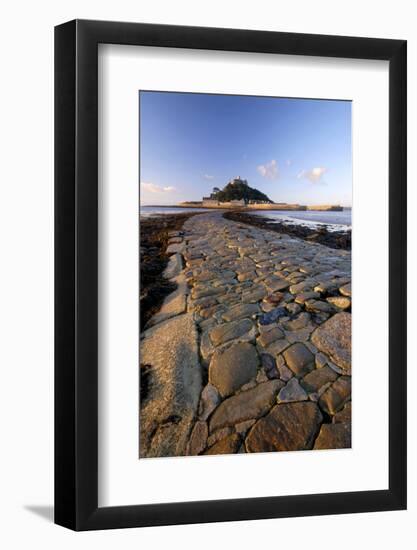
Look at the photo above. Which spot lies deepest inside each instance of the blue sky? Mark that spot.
(294, 150)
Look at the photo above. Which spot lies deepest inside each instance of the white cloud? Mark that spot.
(288, 162)
(208, 177)
(314, 175)
(153, 188)
(269, 170)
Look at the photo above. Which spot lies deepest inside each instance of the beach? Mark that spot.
(248, 346)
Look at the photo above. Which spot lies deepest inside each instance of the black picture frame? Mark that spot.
(76, 272)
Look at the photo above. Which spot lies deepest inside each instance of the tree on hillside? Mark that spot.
(238, 190)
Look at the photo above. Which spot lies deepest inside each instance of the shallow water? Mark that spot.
(335, 221)
(149, 211)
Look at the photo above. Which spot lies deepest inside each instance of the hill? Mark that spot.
(238, 189)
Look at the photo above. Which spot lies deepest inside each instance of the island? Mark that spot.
(237, 194)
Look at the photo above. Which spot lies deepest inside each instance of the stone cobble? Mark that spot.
(274, 323)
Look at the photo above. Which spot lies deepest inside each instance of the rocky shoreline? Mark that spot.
(332, 239)
(252, 350)
(154, 237)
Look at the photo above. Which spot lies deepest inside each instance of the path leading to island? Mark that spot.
(252, 352)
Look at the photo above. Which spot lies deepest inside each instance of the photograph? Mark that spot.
(245, 280)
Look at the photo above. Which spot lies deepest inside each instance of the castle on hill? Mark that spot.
(235, 193)
(238, 194)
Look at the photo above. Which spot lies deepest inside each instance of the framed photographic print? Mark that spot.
(230, 275)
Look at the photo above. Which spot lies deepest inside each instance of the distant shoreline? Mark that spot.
(278, 207)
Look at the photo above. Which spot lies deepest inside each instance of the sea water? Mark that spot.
(148, 211)
(334, 221)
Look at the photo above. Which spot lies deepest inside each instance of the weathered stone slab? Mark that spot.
(269, 365)
(241, 311)
(313, 381)
(242, 329)
(299, 359)
(334, 436)
(288, 427)
(277, 347)
(175, 248)
(334, 398)
(209, 400)
(246, 405)
(345, 415)
(253, 295)
(292, 391)
(174, 267)
(341, 302)
(272, 316)
(233, 367)
(346, 290)
(174, 304)
(274, 285)
(218, 435)
(198, 439)
(167, 414)
(284, 372)
(302, 320)
(334, 337)
(266, 338)
(304, 296)
(228, 445)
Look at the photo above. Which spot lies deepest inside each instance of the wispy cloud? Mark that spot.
(269, 170)
(208, 177)
(314, 175)
(153, 188)
(288, 162)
